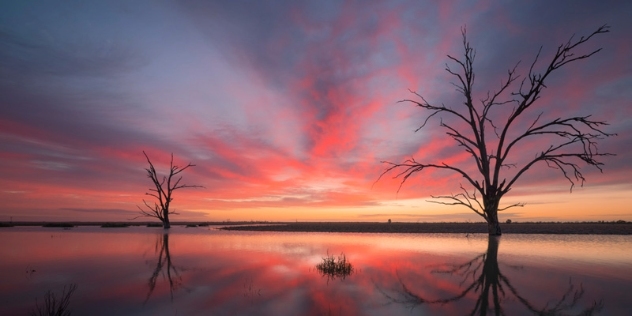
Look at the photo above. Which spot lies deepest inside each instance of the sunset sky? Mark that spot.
(288, 107)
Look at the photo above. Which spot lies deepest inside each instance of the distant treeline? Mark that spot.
(126, 224)
(585, 228)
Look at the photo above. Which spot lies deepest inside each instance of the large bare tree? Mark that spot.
(163, 191)
(502, 121)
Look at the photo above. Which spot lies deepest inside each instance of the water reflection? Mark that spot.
(164, 267)
(481, 278)
(141, 271)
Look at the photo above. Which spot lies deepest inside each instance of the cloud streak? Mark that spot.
(286, 108)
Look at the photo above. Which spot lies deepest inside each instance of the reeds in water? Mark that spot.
(54, 305)
(335, 266)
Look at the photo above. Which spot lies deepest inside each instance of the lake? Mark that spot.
(206, 271)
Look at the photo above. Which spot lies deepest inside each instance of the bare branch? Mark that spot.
(464, 199)
(563, 56)
(411, 166)
(512, 205)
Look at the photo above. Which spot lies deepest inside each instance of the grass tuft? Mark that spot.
(53, 304)
(335, 266)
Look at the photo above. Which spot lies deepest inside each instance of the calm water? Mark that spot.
(203, 271)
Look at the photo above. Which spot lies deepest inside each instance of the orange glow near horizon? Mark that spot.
(607, 203)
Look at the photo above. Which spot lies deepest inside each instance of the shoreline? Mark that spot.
(581, 228)
(565, 228)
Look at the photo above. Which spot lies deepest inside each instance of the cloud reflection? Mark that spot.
(141, 271)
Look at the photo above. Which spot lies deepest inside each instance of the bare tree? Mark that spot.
(574, 139)
(163, 191)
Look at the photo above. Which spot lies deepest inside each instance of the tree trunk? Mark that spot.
(493, 227)
(491, 210)
(165, 222)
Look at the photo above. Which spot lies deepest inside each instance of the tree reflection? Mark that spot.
(482, 276)
(164, 267)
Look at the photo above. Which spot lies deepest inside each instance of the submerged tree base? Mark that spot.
(494, 229)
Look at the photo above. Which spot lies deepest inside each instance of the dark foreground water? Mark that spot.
(203, 271)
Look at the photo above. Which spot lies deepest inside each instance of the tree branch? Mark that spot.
(411, 167)
(464, 199)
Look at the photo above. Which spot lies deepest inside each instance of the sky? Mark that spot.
(287, 108)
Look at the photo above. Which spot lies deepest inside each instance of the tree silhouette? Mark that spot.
(506, 114)
(163, 191)
(483, 278)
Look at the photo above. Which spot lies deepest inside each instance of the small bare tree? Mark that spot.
(163, 191)
(573, 139)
